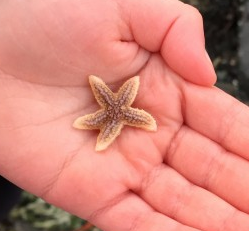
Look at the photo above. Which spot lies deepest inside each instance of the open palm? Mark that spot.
(192, 174)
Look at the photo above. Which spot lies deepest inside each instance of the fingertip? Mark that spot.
(184, 50)
(213, 76)
(200, 70)
(204, 73)
(176, 31)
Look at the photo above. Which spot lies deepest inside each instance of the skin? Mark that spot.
(192, 174)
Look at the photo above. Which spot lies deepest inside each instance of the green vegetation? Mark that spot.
(43, 216)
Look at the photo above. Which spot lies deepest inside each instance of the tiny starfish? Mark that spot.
(115, 112)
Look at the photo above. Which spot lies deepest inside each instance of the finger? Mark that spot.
(130, 212)
(218, 116)
(169, 193)
(176, 30)
(221, 172)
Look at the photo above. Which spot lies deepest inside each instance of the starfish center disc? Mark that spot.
(115, 111)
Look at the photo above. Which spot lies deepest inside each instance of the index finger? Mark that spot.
(175, 30)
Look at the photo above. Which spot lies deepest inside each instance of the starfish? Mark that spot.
(115, 112)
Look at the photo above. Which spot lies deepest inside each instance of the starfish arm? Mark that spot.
(91, 121)
(128, 91)
(108, 134)
(102, 93)
(139, 118)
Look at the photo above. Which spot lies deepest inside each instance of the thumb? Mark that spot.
(175, 30)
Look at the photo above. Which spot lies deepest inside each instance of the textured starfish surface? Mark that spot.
(115, 112)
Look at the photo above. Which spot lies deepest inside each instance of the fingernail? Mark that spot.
(208, 58)
(211, 68)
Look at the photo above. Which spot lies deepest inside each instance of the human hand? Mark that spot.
(191, 174)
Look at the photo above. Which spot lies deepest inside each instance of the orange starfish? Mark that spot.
(115, 112)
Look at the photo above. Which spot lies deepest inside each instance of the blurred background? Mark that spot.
(226, 25)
